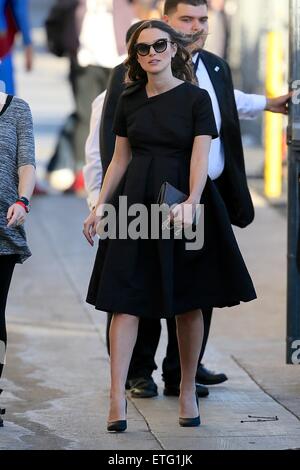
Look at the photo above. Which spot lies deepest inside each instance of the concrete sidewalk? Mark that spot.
(57, 373)
(56, 379)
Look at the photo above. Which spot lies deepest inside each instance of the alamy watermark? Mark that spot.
(137, 221)
(296, 94)
(296, 353)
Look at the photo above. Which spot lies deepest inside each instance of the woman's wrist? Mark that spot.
(25, 199)
(98, 211)
(24, 202)
(193, 199)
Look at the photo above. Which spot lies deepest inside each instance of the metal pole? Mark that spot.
(293, 284)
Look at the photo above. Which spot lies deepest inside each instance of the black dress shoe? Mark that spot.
(118, 426)
(208, 377)
(143, 387)
(191, 422)
(172, 390)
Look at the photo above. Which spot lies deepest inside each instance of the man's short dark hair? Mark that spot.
(171, 5)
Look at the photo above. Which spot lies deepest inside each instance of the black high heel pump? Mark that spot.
(118, 426)
(191, 422)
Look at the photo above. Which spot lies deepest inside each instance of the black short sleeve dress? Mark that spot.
(160, 278)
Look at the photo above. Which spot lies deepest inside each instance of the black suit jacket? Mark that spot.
(115, 88)
(232, 183)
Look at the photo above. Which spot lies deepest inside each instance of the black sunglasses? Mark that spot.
(159, 46)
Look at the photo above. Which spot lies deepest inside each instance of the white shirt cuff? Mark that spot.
(249, 106)
(259, 103)
(92, 198)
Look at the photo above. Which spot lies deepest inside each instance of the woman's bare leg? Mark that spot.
(190, 337)
(122, 336)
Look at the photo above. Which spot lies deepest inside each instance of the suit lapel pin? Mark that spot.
(217, 68)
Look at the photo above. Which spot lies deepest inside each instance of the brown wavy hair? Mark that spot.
(182, 66)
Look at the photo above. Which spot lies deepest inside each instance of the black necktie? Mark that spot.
(196, 64)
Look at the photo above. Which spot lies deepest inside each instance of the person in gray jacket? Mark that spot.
(17, 180)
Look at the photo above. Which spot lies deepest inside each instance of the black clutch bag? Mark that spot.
(168, 194)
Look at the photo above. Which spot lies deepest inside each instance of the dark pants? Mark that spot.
(87, 83)
(143, 364)
(7, 264)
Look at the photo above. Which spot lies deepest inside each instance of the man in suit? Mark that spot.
(226, 167)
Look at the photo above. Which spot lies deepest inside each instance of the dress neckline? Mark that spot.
(6, 105)
(163, 93)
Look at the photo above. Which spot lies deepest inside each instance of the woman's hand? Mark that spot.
(16, 215)
(183, 214)
(90, 226)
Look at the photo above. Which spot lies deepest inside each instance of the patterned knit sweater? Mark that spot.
(16, 150)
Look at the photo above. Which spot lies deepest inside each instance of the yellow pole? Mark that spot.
(274, 122)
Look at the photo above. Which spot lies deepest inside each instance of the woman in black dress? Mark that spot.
(164, 126)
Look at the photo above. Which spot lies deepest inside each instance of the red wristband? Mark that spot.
(22, 204)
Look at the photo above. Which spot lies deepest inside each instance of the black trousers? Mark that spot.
(143, 364)
(7, 264)
(87, 83)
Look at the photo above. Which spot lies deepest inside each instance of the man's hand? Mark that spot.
(279, 104)
(28, 57)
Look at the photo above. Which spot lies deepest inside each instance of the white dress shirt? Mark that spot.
(92, 170)
(248, 106)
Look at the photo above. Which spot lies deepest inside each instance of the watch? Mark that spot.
(26, 203)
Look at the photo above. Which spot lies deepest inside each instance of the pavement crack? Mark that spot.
(147, 424)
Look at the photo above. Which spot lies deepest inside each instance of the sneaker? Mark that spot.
(77, 187)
